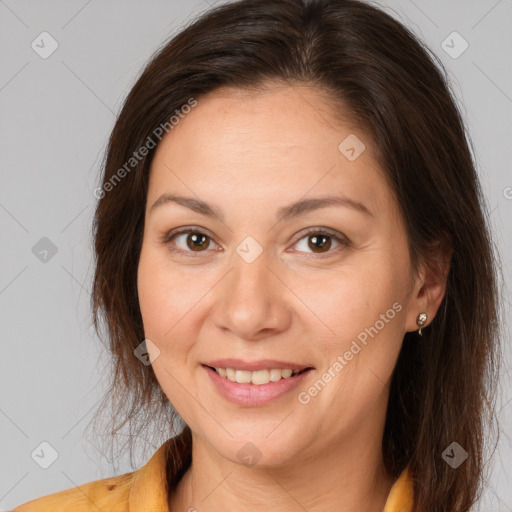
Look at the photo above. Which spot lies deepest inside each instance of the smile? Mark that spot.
(257, 387)
(258, 377)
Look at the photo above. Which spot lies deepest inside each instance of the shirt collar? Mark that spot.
(149, 490)
(401, 495)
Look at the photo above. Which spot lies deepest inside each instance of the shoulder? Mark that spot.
(145, 489)
(108, 495)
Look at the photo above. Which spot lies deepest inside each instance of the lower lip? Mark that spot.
(254, 395)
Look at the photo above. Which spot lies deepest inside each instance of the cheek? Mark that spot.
(160, 289)
(167, 300)
(351, 297)
(361, 310)
(152, 298)
(359, 346)
(159, 297)
(163, 311)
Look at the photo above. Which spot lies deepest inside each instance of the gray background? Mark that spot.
(56, 115)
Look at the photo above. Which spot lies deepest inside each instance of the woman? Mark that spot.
(292, 249)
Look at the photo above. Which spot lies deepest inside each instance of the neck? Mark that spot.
(347, 475)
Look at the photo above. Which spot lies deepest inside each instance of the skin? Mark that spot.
(250, 154)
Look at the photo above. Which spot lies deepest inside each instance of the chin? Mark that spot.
(256, 450)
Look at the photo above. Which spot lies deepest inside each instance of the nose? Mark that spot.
(252, 301)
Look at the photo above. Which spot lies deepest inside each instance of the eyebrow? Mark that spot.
(284, 213)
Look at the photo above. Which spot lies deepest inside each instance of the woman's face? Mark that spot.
(251, 283)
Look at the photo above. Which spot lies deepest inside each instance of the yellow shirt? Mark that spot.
(145, 490)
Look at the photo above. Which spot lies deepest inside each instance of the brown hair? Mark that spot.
(444, 383)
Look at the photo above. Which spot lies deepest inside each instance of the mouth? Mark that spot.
(257, 377)
(258, 385)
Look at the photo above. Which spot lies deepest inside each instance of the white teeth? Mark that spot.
(276, 375)
(257, 377)
(243, 377)
(260, 377)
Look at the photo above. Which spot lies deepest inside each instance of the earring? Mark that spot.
(420, 320)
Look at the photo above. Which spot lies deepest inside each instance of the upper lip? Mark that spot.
(261, 364)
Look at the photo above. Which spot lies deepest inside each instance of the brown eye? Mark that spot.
(197, 241)
(194, 241)
(319, 243)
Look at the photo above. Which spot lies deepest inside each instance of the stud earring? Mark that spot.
(420, 320)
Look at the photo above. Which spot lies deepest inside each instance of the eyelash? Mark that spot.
(168, 237)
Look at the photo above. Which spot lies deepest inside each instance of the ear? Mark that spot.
(428, 289)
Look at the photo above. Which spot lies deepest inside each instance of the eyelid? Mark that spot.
(339, 237)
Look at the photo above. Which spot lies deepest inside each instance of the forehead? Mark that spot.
(257, 144)
(298, 116)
